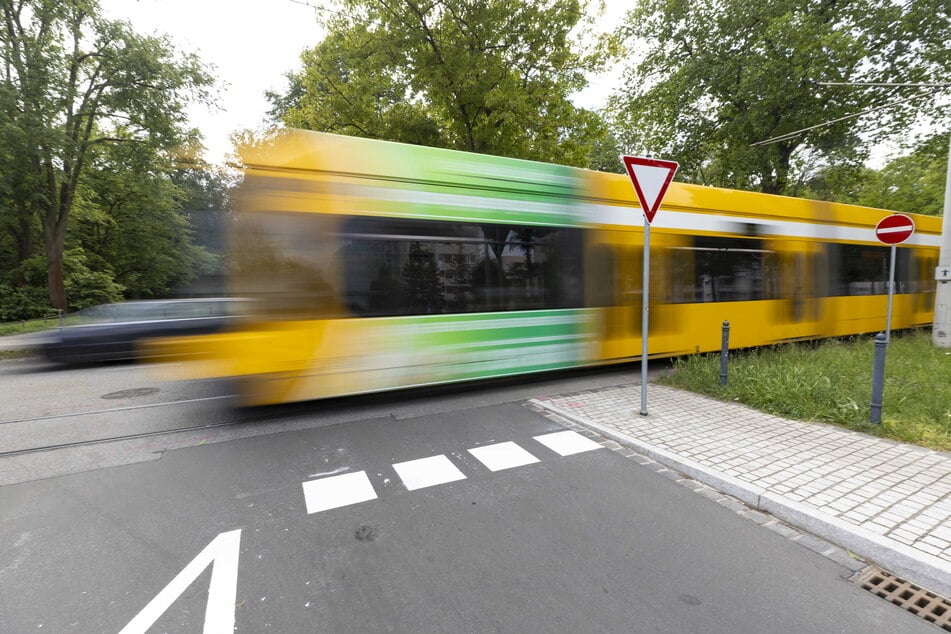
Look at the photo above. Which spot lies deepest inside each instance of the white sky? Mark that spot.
(252, 44)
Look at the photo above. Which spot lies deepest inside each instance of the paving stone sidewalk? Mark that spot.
(886, 501)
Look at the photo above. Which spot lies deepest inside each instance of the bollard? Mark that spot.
(878, 377)
(724, 352)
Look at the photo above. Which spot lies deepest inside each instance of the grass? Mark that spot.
(6, 355)
(32, 325)
(831, 382)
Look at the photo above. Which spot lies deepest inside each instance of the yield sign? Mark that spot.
(651, 178)
(894, 229)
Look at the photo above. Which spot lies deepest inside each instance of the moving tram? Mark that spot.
(373, 265)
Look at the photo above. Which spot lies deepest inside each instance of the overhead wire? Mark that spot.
(789, 135)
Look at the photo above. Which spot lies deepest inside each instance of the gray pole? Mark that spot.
(941, 331)
(878, 378)
(724, 351)
(891, 294)
(645, 283)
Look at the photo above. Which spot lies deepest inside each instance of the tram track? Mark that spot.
(111, 439)
(110, 410)
(70, 430)
(79, 435)
(40, 447)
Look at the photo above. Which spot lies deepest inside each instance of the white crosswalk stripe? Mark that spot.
(337, 491)
(566, 443)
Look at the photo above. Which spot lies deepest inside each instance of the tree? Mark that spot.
(912, 183)
(708, 80)
(18, 221)
(492, 77)
(130, 222)
(76, 81)
(207, 192)
(422, 281)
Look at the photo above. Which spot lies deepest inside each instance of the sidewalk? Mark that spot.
(887, 502)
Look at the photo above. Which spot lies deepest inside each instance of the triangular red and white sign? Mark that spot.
(650, 177)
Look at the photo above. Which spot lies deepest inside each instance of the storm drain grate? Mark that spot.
(928, 605)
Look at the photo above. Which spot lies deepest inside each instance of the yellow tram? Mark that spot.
(374, 266)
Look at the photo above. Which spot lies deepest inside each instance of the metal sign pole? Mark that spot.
(645, 285)
(891, 293)
(650, 178)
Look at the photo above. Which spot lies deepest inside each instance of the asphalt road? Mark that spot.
(589, 541)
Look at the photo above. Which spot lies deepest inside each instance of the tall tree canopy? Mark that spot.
(492, 77)
(709, 79)
(129, 220)
(913, 182)
(70, 82)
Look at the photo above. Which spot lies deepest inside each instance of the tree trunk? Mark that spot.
(23, 235)
(55, 242)
(24, 238)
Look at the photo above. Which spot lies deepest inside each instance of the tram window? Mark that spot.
(284, 261)
(863, 270)
(601, 267)
(408, 267)
(723, 270)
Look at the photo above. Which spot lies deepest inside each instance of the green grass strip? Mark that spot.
(34, 325)
(831, 382)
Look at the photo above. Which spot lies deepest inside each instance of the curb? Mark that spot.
(920, 568)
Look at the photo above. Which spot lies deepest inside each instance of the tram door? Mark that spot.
(802, 287)
(923, 266)
(613, 272)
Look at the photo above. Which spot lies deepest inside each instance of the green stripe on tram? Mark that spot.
(444, 184)
(492, 344)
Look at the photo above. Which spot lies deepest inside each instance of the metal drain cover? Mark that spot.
(133, 393)
(906, 595)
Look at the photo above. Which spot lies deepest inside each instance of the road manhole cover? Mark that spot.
(133, 393)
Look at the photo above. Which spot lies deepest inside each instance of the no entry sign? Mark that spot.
(894, 229)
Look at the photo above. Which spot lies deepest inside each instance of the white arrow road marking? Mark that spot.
(222, 553)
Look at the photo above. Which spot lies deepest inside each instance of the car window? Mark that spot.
(159, 310)
(104, 312)
(190, 310)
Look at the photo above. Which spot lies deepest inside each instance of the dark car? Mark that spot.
(114, 332)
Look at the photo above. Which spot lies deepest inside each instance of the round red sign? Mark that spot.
(894, 229)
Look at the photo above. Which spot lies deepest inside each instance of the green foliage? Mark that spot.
(23, 292)
(129, 221)
(831, 382)
(912, 183)
(85, 287)
(27, 302)
(206, 200)
(71, 83)
(708, 80)
(604, 155)
(492, 77)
